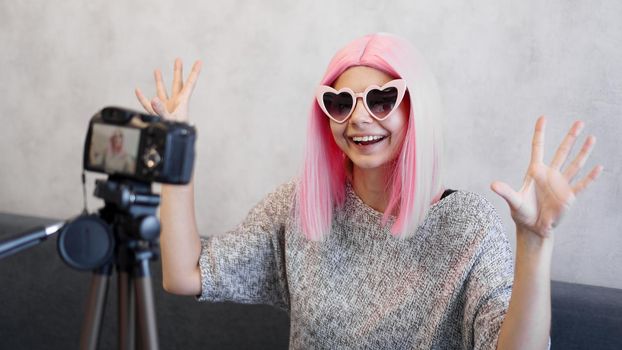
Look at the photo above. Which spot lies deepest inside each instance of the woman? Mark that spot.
(116, 158)
(367, 248)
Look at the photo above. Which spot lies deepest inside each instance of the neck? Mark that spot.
(370, 186)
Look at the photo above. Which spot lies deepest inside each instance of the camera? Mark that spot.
(138, 146)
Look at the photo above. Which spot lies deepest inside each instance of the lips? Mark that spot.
(371, 142)
(367, 147)
(367, 139)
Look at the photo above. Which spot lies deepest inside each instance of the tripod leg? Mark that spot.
(94, 312)
(127, 315)
(146, 309)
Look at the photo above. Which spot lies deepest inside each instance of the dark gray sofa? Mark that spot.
(42, 307)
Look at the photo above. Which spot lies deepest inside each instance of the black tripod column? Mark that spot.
(126, 311)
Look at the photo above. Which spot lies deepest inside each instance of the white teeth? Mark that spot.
(366, 138)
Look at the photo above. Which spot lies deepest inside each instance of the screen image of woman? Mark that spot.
(116, 158)
(113, 149)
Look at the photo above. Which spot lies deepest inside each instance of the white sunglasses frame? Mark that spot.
(399, 84)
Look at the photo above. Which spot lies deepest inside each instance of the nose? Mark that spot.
(360, 115)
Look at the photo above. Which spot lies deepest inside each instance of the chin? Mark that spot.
(368, 163)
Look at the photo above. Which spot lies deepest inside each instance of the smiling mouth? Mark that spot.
(367, 140)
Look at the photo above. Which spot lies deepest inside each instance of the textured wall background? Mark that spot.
(500, 65)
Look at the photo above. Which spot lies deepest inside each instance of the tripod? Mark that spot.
(124, 236)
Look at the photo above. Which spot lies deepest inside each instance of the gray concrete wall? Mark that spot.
(500, 65)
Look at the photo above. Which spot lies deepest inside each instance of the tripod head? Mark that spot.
(130, 206)
(128, 219)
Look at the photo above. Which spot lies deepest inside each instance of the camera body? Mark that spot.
(138, 146)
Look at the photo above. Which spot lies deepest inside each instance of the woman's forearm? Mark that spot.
(180, 244)
(528, 319)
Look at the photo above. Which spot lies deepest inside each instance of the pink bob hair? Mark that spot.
(416, 181)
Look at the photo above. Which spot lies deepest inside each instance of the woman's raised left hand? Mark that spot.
(547, 193)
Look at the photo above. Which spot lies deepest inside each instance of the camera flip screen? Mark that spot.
(114, 148)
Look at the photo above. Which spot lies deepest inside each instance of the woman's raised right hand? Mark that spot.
(180, 245)
(175, 107)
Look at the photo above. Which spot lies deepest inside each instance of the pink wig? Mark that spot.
(416, 182)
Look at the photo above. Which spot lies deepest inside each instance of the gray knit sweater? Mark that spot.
(447, 287)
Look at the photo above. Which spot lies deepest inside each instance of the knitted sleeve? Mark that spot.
(246, 264)
(489, 284)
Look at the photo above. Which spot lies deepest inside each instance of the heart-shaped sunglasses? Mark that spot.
(380, 101)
